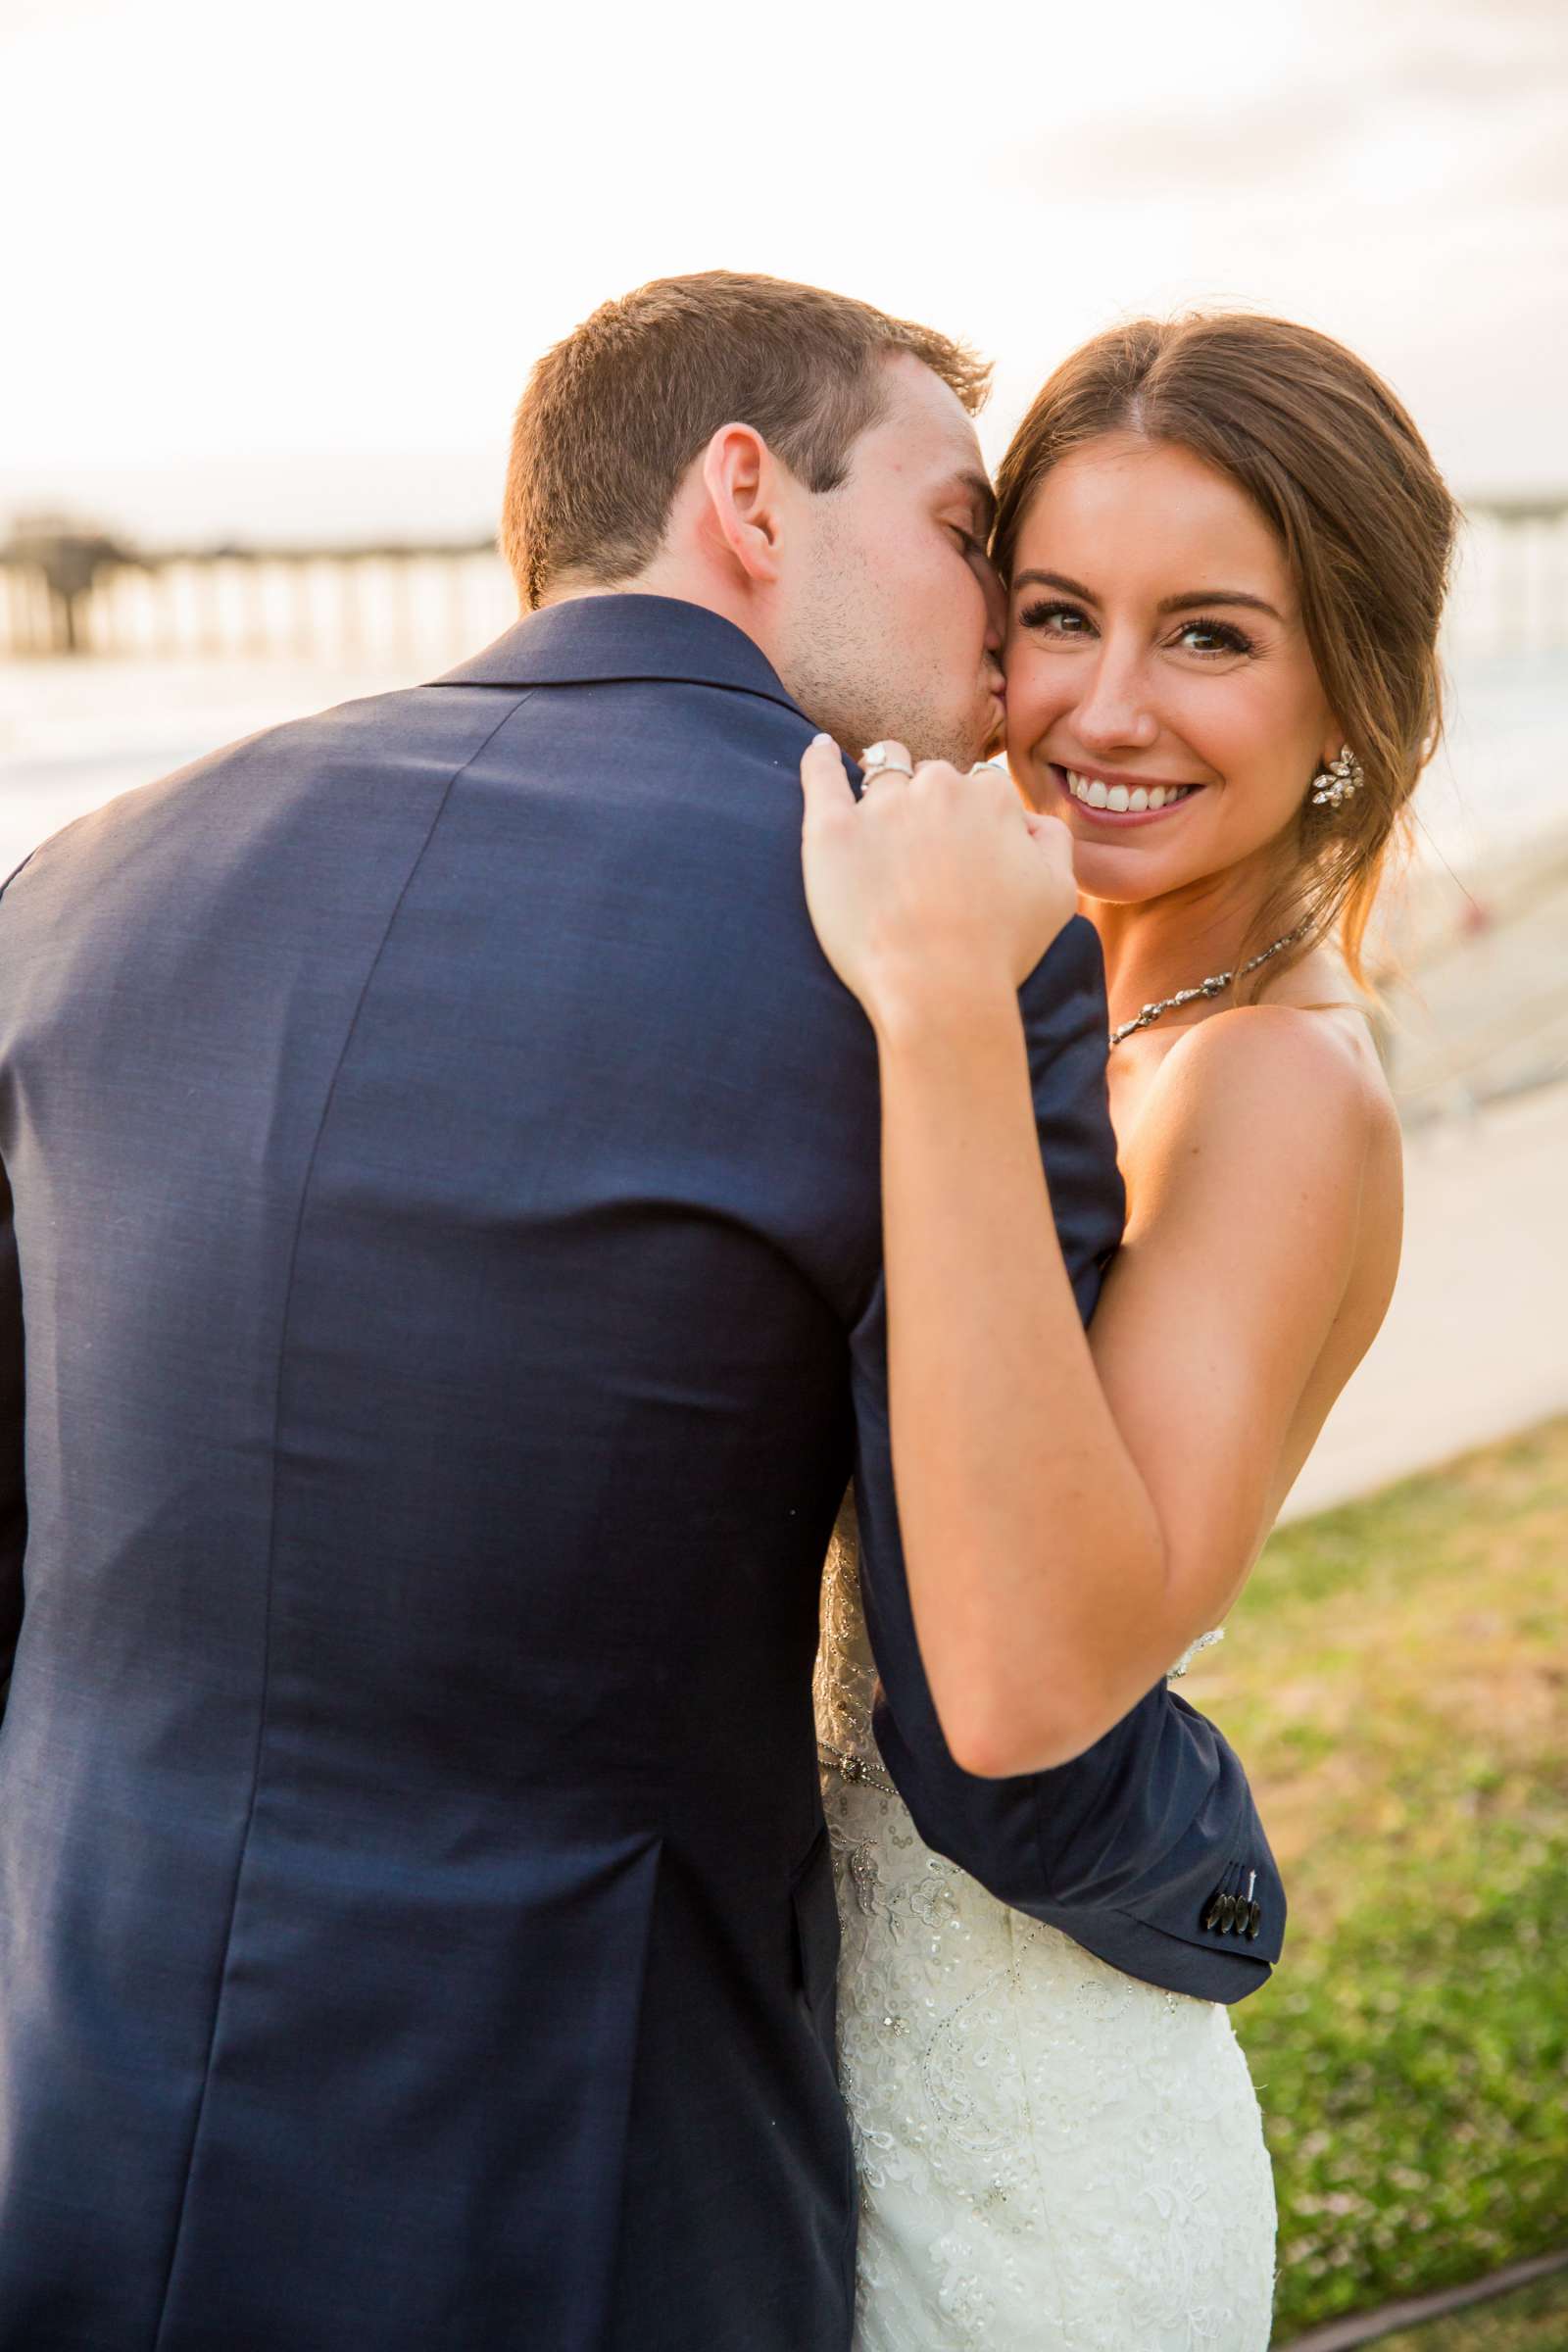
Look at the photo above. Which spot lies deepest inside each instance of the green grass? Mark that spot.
(1397, 1678)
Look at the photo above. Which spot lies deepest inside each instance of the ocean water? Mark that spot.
(75, 733)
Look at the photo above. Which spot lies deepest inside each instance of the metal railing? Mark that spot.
(1424, 2311)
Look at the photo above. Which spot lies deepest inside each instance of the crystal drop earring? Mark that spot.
(1336, 782)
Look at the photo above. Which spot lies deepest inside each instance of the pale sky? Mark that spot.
(283, 271)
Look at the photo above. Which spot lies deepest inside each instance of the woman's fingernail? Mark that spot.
(817, 738)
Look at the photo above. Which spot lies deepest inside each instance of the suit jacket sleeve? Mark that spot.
(13, 1496)
(1125, 1848)
(12, 1491)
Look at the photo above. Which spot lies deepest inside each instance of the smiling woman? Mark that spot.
(1272, 518)
(1225, 548)
(1142, 704)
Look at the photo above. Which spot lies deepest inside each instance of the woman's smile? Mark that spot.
(1116, 799)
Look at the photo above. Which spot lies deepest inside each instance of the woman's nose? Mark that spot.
(1112, 712)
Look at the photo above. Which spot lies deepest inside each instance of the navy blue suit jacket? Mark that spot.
(440, 1309)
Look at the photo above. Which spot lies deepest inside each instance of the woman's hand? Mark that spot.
(932, 887)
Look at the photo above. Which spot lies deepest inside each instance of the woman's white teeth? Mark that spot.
(1121, 802)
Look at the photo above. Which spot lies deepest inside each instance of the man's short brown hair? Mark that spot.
(614, 415)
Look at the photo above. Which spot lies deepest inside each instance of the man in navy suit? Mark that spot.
(440, 1309)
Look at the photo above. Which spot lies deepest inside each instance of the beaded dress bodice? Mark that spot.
(843, 1685)
(1052, 2155)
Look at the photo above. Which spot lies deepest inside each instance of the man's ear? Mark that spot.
(741, 477)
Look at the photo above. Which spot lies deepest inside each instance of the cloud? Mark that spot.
(361, 241)
(1478, 92)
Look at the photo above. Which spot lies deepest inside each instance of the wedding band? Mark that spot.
(874, 763)
(999, 764)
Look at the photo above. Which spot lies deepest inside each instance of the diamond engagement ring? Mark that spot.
(875, 761)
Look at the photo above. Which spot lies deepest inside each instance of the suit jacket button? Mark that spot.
(1254, 1918)
(1228, 1909)
(1211, 1910)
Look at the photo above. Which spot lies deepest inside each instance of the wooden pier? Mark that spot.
(66, 588)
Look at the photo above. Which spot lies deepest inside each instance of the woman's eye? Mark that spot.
(1212, 637)
(1057, 620)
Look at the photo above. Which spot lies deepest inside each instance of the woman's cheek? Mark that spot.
(1031, 712)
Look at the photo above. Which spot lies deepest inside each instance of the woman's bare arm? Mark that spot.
(1075, 1509)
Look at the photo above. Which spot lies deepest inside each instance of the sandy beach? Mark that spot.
(1475, 1342)
(1474, 1033)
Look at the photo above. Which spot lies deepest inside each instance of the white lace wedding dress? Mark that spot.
(1054, 2157)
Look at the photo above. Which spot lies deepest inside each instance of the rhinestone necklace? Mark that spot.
(1215, 986)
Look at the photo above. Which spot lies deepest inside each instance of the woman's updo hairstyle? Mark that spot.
(1336, 468)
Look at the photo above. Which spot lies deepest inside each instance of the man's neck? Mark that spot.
(685, 583)
(692, 583)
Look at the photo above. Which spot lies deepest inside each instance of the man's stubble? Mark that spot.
(858, 677)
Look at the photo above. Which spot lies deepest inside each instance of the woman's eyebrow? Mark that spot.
(1055, 579)
(1217, 596)
(1191, 600)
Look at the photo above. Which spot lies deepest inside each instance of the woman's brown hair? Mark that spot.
(1335, 465)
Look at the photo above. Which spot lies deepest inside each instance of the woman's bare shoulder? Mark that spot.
(1269, 1083)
